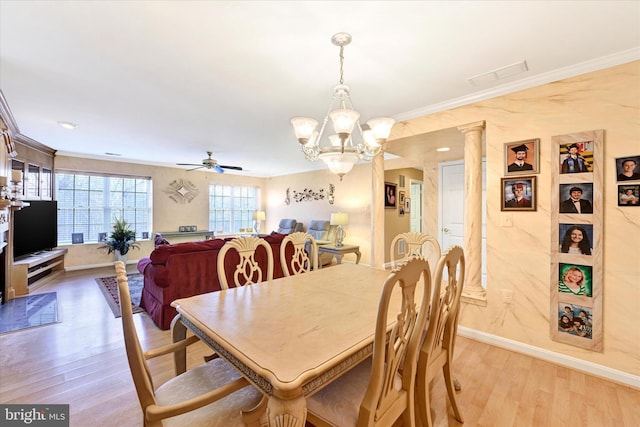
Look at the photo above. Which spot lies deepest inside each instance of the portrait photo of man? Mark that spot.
(518, 194)
(520, 164)
(574, 162)
(578, 198)
(521, 157)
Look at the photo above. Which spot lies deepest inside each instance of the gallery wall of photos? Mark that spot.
(576, 286)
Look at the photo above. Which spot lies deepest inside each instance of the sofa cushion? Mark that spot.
(162, 253)
(287, 226)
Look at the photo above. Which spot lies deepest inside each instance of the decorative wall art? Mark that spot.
(407, 205)
(309, 195)
(401, 198)
(576, 240)
(519, 194)
(390, 195)
(521, 157)
(181, 191)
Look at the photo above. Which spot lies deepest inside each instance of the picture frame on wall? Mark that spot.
(628, 168)
(390, 195)
(519, 194)
(521, 157)
(629, 195)
(407, 205)
(576, 198)
(401, 197)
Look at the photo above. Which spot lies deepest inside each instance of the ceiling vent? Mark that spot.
(498, 74)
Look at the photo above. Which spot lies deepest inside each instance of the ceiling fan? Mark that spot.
(210, 163)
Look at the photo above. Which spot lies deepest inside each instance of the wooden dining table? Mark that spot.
(290, 336)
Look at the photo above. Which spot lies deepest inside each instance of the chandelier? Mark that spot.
(341, 152)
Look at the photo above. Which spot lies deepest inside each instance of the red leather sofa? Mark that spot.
(185, 269)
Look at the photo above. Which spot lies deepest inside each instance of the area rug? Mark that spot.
(28, 312)
(109, 288)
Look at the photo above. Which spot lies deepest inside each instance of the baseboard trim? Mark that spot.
(591, 368)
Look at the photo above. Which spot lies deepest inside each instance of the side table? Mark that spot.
(341, 251)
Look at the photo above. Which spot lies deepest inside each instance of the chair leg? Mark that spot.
(423, 400)
(254, 417)
(179, 333)
(449, 381)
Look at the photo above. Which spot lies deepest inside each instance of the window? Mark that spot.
(232, 208)
(88, 204)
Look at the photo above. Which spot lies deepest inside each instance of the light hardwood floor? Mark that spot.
(81, 361)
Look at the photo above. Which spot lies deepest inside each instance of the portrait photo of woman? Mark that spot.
(576, 239)
(575, 279)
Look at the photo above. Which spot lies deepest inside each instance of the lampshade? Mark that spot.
(339, 163)
(339, 218)
(259, 215)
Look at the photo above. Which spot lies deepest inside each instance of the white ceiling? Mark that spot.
(162, 82)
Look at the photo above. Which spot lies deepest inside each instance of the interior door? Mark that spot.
(452, 208)
(415, 214)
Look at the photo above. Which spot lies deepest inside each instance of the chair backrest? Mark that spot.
(305, 254)
(135, 355)
(395, 351)
(415, 244)
(319, 229)
(287, 226)
(443, 321)
(248, 270)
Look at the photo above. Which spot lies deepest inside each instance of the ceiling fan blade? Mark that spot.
(188, 164)
(199, 167)
(237, 168)
(218, 169)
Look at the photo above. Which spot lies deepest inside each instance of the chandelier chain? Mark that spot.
(341, 64)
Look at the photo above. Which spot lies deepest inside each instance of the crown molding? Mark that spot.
(603, 62)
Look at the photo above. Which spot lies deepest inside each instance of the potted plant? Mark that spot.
(121, 239)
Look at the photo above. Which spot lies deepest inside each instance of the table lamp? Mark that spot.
(258, 216)
(339, 219)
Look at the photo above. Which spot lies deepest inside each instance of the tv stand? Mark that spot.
(33, 271)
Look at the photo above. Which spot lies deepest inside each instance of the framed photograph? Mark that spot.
(575, 279)
(521, 157)
(576, 198)
(576, 239)
(576, 157)
(145, 235)
(102, 237)
(77, 238)
(519, 194)
(575, 320)
(407, 205)
(629, 195)
(390, 195)
(401, 197)
(628, 168)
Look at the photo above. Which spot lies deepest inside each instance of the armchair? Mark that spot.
(325, 234)
(288, 226)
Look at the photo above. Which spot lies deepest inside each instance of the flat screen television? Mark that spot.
(35, 227)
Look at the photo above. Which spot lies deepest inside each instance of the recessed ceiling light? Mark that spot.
(441, 149)
(68, 125)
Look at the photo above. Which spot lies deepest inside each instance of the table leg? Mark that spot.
(287, 412)
(339, 258)
(358, 255)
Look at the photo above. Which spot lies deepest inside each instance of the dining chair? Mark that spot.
(380, 390)
(415, 244)
(193, 397)
(247, 270)
(436, 352)
(301, 261)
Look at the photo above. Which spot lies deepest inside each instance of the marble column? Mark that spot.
(473, 210)
(377, 211)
